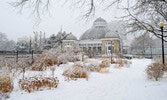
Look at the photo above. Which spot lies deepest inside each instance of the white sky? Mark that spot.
(17, 25)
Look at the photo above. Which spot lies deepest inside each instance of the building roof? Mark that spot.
(99, 30)
(112, 35)
(70, 36)
(100, 20)
(94, 33)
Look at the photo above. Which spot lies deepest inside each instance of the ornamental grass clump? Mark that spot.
(69, 56)
(105, 63)
(6, 83)
(122, 63)
(155, 71)
(104, 67)
(38, 83)
(76, 71)
(48, 58)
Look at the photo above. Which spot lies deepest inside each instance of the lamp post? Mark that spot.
(61, 41)
(30, 45)
(162, 26)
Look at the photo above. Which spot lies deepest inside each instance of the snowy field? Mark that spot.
(120, 84)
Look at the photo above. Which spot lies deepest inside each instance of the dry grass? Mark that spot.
(95, 66)
(37, 83)
(103, 70)
(155, 71)
(105, 63)
(69, 57)
(6, 83)
(101, 66)
(122, 63)
(48, 58)
(75, 71)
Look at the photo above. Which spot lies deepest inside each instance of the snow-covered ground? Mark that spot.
(120, 84)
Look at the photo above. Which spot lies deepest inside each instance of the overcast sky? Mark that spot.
(17, 25)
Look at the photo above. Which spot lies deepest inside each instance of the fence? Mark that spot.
(149, 52)
(17, 54)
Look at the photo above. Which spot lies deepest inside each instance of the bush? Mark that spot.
(6, 83)
(122, 63)
(48, 58)
(89, 65)
(103, 70)
(37, 83)
(75, 71)
(69, 57)
(155, 71)
(92, 66)
(105, 63)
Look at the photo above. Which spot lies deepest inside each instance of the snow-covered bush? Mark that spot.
(103, 70)
(105, 63)
(89, 65)
(112, 61)
(48, 58)
(14, 69)
(37, 83)
(122, 63)
(155, 71)
(6, 83)
(76, 71)
(70, 56)
(94, 65)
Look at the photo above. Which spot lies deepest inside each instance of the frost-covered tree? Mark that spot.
(38, 41)
(5, 44)
(141, 43)
(22, 45)
(55, 41)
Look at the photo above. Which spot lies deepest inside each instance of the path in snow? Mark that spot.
(120, 84)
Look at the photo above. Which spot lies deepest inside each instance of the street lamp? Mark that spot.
(162, 26)
(30, 45)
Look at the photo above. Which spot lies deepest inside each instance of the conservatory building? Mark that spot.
(99, 38)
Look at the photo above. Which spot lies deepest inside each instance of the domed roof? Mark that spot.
(94, 33)
(99, 31)
(70, 37)
(100, 20)
(111, 34)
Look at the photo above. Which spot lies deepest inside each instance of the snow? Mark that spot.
(120, 84)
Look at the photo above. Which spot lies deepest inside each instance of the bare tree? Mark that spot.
(146, 15)
(6, 44)
(141, 15)
(141, 43)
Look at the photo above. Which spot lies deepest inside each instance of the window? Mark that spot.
(68, 46)
(109, 47)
